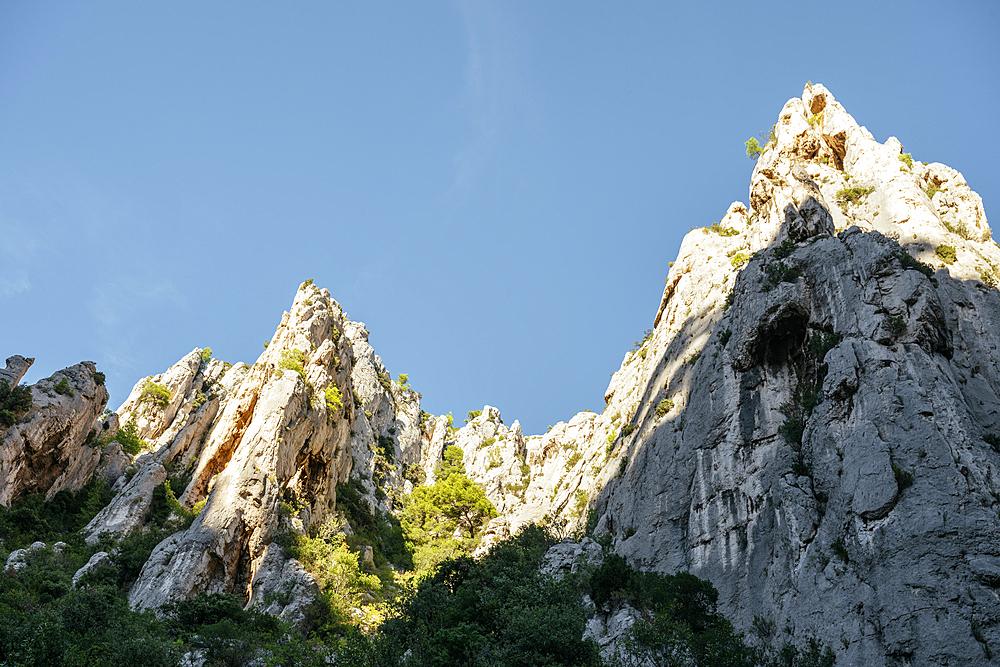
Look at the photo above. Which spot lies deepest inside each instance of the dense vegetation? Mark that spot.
(422, 601)
(13, 403)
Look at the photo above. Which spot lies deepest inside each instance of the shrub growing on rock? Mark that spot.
(13, 403)
(947, 253)
(156, 394)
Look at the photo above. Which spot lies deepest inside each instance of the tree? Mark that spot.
(463, 502)
(451, 463)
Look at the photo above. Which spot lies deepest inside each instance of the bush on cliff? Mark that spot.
(13, 403)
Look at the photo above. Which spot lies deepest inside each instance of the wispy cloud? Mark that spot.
(487, 71)
(17, 255)
(9, 286)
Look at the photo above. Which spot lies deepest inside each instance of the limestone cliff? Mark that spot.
(265, 447)
(52, 446)
(814, 422)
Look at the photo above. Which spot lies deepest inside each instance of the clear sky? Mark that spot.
(494, 188)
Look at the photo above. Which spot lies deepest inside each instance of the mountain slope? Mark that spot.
(812, 423)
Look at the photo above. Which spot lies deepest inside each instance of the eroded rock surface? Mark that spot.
(50, 448)
(812, 422)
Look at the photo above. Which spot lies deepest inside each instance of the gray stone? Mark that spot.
(99, 559)
(17, 366)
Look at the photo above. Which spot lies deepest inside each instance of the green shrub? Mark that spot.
(493, 460)
(326, 555)
(334, 401)
(382, 531)
(62, 387)
(403, 379)
(663, 407)
(99, 378)
(156, 394)
(840, 549)
(947, 253)
(725, 335)
(906, 159)
(415, 474)
(801, 467)
(897, 324)
(128, 437)
(739, 259)
(849, 196)
(723, 231)
(792, 428)
(822, 342)
(472, 415)
(730, 299)
(754, 149)
(785, 248)
(932, 190)
(628, 429)
(904, 478)
(910, 262)
(386, 447)
(293, 360)
(13, 402)
(206, 356)
(778, 272)
(200, 398)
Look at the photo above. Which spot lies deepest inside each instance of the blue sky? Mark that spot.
(495, 189)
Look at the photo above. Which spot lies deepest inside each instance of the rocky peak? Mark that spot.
(812, 423)
(17, 366)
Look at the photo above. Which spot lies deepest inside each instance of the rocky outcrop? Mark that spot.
(278, 439)
(810, 423)
(17, 366)
(174, 429)
(51, 447)
(813, 423)
(317, 405)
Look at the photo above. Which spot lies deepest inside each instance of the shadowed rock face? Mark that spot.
(813, 423)
(805, 425)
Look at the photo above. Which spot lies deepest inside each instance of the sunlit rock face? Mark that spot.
(317, 406)
(812, 422)
(827, 458)
(50, 448)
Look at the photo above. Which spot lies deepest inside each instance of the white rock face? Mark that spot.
(875, 530)
(277, 435)
(17, 366)
(569, 557)
(175, 434)
(282, 587)
(47, 451)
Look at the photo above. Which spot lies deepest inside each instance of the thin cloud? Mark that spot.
(12, 286)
